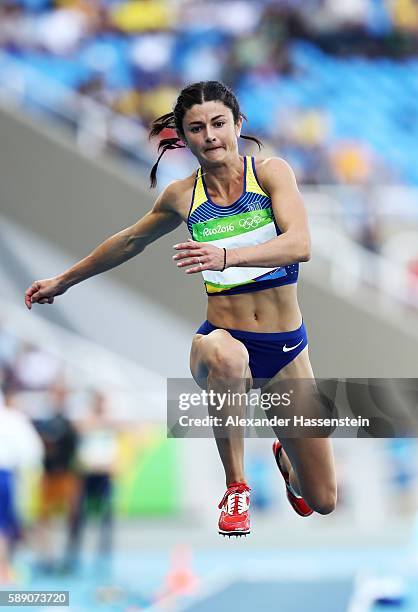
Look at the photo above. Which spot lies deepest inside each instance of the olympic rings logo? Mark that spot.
(252, 222)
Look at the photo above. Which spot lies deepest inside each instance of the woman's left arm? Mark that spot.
(293, 244)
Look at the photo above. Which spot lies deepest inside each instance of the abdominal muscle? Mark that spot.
(267, 311)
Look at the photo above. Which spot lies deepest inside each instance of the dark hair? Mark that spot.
(205, 91)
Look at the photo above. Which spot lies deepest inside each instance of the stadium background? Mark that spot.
(332, 88)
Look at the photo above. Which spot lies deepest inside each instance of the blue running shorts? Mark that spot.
(269, 353)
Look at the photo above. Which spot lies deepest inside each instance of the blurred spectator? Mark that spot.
(59, 485)
(300, 136)
(154, 103)
(16, 26)
(20, 447)
(150, 55)
(352, 162)
(141, 15)
(237, 17)
(97, 455)
(405, 14)
(62, 30)
(345, 13)
(34, 369)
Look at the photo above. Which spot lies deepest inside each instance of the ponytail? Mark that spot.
(254, 139)
(162, 123)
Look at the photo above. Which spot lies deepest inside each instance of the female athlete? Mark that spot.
(249, 232)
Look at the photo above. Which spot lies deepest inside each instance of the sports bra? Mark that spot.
(247, 222)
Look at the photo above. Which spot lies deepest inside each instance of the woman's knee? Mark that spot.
(323, 501)
(227, 358)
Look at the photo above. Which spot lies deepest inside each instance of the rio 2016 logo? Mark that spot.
(220, 229)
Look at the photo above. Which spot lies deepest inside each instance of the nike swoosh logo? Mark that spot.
(286, 349)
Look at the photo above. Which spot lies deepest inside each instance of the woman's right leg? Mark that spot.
(219, 363)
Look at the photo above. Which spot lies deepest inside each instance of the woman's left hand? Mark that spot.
(200, 255)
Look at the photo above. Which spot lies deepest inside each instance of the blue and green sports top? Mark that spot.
(247, 222)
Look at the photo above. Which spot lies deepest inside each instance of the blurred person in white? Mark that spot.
(34, 369)
(248, 252)
(232, 23)
(20, 448)
(236, 17)
(62, 30)
(150, 55)
(345, 12)
(17, 26)
(59, 483)
(96, 459)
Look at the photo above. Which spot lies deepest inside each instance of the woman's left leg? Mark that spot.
(309, 461)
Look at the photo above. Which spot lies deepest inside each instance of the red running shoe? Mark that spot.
(297, 502)
(235, 515)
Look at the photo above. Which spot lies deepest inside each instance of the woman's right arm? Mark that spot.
(117, 249)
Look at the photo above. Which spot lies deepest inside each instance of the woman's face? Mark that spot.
(210, 132)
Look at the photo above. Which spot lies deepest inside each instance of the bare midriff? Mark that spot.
(267, 311)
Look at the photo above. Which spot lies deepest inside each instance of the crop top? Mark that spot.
(247, 222)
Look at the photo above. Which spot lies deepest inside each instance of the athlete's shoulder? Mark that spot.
(273, 172)
(176, 194)
(273, 166)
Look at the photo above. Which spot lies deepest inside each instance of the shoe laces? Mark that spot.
(235, 498)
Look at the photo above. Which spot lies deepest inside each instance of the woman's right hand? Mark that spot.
(44, 291)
